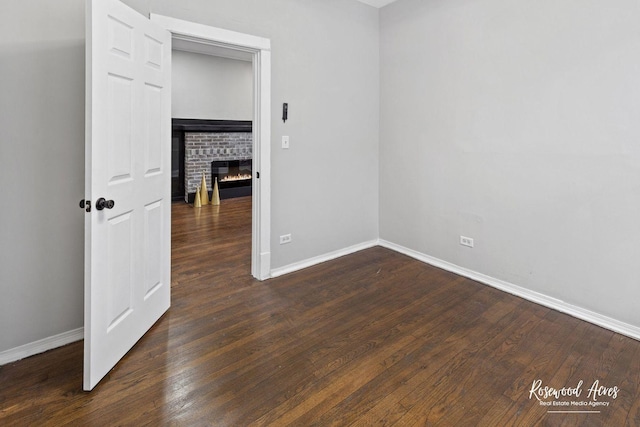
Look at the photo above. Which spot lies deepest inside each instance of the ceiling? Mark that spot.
(186, 45)
(377, 3)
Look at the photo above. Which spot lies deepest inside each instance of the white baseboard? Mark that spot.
(41, 346)
(538, 298)
(322, 258)
(265, 265)
(631, 331)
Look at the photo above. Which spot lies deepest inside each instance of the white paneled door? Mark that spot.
(127, 230)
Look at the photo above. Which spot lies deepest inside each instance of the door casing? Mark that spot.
(201, 38)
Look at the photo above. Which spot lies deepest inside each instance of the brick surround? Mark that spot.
(201, 148)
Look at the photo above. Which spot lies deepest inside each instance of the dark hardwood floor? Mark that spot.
(373, 338)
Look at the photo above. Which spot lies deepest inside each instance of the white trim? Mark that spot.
(206, 34)
(258, 49)
(265, 262)
(261, 235)
(626, 329)
(41, 346)
(538, 298)
(322, 258)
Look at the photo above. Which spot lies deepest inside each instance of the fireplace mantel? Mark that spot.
(213, 126)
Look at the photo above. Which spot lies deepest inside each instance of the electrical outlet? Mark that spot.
(466, 241)
(285, 238)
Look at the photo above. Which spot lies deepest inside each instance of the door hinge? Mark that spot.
(257, 175)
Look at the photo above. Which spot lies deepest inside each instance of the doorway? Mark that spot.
(200, 38)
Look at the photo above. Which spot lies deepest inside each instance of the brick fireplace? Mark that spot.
(207, 141)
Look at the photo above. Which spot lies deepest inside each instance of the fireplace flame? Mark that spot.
(239, 177)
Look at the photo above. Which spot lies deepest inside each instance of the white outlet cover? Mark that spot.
(466, 241)
(285, 142)
(285, 238)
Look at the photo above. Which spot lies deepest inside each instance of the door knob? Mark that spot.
(102, 203)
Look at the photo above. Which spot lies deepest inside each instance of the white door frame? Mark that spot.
(258, 50)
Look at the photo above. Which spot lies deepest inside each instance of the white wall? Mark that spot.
(210, 87)
(41, 169)
(516, 123)
(324, 189)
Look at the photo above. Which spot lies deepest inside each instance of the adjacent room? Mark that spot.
(212, 115)
(452, 222)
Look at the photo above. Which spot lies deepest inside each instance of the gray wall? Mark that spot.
(509, 122)
(41, 169)
(325, 62)
(516, 123)
(211, 87)
(324, 189)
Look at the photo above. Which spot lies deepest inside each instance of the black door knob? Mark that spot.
(102, 203)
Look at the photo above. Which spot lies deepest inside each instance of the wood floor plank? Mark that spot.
(527, 411)
(434, 357)
(446, 387)
(373, 338)
(326, 381)
(491, 371)
(534, 346)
